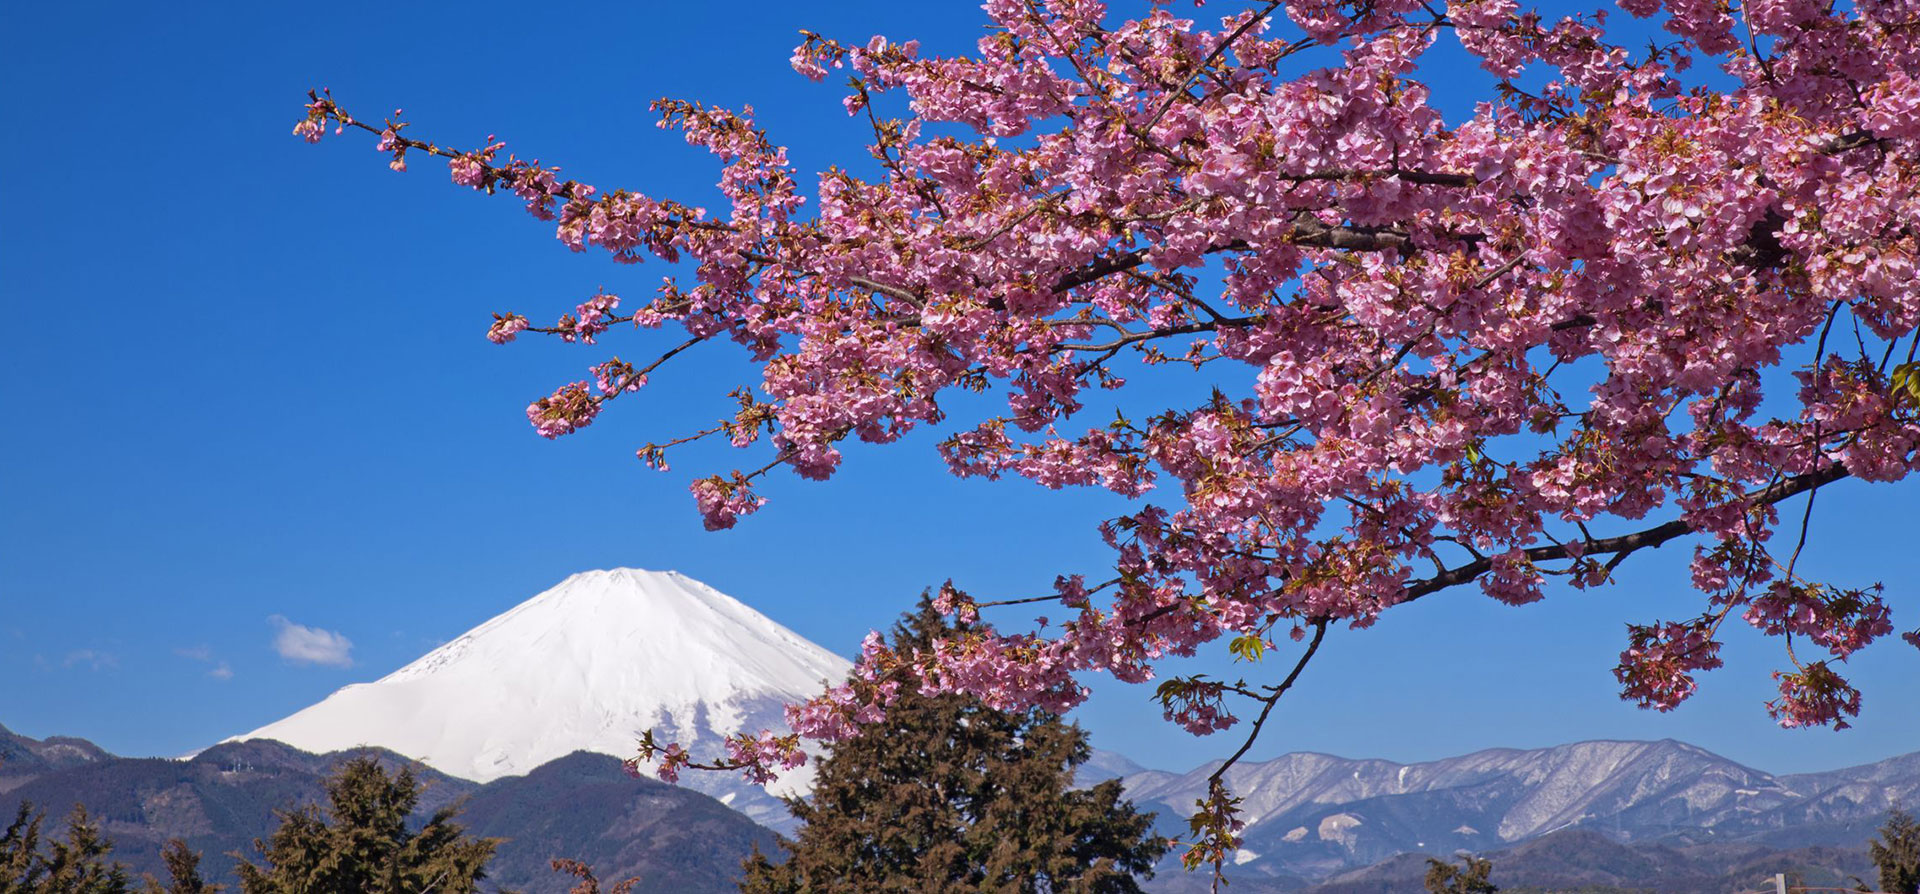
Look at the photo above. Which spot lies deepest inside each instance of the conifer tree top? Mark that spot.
(361, 844)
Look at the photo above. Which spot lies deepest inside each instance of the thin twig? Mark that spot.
(1319, 634)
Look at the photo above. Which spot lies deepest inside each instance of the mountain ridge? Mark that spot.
(580, 806)
(1316, 816)
(22, 758)
(585, 806)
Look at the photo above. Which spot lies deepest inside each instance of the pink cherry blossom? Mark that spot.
(1363, 352)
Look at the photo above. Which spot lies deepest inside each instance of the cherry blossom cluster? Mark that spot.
(722, 500)
(565, 411)
(1657, 669)
(1814, 696)
(1636, 295)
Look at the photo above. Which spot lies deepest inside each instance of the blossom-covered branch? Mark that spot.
(1616, 305)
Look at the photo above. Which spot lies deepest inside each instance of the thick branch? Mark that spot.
(1312, 232)
(1307, 231)
(1427, 178)
(1620, 546)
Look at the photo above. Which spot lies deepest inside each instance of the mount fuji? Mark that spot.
(586, 666)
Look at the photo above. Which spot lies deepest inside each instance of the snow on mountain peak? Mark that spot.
(587, 665)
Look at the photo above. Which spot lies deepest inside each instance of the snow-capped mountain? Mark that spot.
(1315, 815)
(587, 665)
(1550, 787)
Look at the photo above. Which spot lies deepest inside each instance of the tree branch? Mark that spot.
(1619, 547)
(1319, 634)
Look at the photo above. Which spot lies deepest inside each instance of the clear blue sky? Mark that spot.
(249, 381)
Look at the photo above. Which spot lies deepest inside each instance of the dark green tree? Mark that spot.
(948, 795)
(361, 843)
(78, 865)
(183, 872)
(1468, 878)
(20, 860)
(1897, 854)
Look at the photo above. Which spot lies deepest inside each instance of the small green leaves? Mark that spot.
(1171, 689)
(1247, 647)
(1906, 385)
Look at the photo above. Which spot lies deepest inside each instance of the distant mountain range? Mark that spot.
(1686, 812)
(1588, 862)
(496, 716)
(582, 806)
(1369, 825)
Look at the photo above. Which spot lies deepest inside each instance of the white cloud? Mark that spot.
(310, 645)
(94, 659)
(204, 654)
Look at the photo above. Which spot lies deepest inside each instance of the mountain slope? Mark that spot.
(1317, 816)
(22, 759)
(587, 665)
(218, 802)
(1587, 861)
(582, 806)
(585, 807)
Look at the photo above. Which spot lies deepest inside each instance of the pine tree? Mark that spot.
(183, 872)
(948, 795)
(76, 866)
(1897, 854)
(20, 861)
(1469, 878)
(362, 845)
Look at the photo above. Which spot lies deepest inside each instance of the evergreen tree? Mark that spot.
(1469, 878)
(362, 845)
(20, 866)
(75, 866)
(183, 872)
(1897, 854)
(949, 795)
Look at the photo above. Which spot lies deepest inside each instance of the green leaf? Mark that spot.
(1905, 383)
(1170, 690)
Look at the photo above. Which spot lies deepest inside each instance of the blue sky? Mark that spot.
(256, 417)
